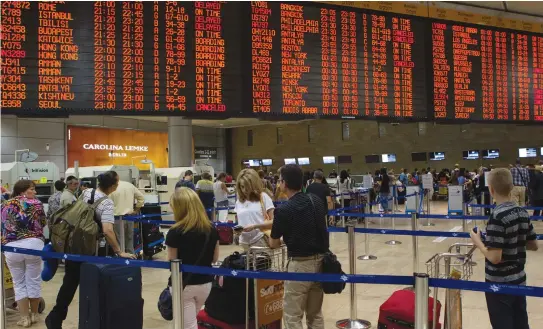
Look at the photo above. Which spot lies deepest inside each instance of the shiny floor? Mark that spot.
(391, 260)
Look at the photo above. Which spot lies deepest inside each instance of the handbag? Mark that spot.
(330, 264)
(165, 304)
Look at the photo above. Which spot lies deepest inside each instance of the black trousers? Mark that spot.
(65, 295)
(507, 311)
(537, 203)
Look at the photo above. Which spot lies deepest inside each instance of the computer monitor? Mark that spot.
(386, 158)
(290, 161)
(373, 158)
(303, 161)
(329, 160)
(254, 163)
(344, 159)
(527, 152)
(470, 155)
(419, 156)
(491, 154)
(436, 156)
(267, 162)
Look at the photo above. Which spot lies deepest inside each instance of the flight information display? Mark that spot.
(169, 57)
(483, 73)
(313, 60)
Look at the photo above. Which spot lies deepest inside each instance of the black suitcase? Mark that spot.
(110, 297)
(151, 237)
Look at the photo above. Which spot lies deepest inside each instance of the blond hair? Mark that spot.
(501, 181)
(188, 211)
(249, 186)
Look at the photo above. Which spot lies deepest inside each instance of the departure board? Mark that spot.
(310, 59)
(486, 74)
(128, 56)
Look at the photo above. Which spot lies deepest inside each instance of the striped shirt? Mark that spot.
(508, 229)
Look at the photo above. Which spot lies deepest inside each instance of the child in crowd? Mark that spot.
(508, 235)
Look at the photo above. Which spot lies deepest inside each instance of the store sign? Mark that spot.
(102, 146)
(205, 152)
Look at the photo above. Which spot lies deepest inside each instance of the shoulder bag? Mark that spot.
(165, 304)
(330, 264)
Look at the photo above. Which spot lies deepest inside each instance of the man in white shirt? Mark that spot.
(124, 199)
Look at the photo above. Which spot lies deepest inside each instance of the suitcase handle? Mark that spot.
(401, 322)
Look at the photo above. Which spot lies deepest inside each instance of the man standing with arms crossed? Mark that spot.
(521, 180)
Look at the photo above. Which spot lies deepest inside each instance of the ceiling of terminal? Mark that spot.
(533, 8)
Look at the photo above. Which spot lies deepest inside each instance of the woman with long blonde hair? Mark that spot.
(254, 209)
(194, 240)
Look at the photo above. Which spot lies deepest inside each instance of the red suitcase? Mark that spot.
(207, 322)
(398, 312)
(226, 235)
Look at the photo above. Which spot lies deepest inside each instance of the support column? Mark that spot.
(179, 142)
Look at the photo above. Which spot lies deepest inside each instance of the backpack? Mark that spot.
(75, 229)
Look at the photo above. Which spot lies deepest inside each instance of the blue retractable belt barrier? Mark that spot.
(314, 277)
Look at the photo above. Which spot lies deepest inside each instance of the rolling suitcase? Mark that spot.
(110, 297)
(398, 311)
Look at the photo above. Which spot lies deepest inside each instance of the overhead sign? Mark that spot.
(205, 152)
(102, 146)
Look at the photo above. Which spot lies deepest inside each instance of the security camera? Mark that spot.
(47, 147)
(395, 124)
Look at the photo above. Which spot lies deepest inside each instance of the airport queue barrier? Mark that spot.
(421, 281)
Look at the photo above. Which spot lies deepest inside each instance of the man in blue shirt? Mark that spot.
(186, 181)
(403, 177)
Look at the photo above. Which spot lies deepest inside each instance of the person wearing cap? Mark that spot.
(187, 181)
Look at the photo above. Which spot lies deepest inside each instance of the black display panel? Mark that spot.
(143, 57)
(315, 59)
(418, 156)
(482, 73)
(373, 158)
(344, 159)
(470, 155)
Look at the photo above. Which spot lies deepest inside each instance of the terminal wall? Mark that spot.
(35, 133)
(369, 137)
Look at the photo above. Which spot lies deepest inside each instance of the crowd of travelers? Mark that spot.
(289, 207)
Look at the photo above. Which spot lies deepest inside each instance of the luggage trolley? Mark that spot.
(451, 265)
(268, 293)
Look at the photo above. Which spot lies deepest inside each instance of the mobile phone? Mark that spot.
(238, 228)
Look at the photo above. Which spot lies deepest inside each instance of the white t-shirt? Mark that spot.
(250, 213)
(220, 194)
(344, 187)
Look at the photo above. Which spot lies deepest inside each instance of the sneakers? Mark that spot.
(34, 318)
(25, 322)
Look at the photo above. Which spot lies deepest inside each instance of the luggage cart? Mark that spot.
(449, 265)
(268, 293)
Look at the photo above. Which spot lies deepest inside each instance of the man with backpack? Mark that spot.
(81, 236)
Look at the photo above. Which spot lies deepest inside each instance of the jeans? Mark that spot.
(194, 297)
(383, 198)
(303, 297)
(507, 311)
(65, 295)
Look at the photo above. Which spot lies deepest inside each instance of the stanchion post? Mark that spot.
(414, 226)
(421, 301)
(353, 322)
(426, 196)
(367, 255)
(177, 294)
(342, 206)
(121, 234)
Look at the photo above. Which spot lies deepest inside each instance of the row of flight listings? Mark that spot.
(524, 152)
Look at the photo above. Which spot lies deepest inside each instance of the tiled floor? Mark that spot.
(392, 260)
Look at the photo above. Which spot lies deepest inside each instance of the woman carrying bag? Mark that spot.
(194, 240)
(254, 209)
